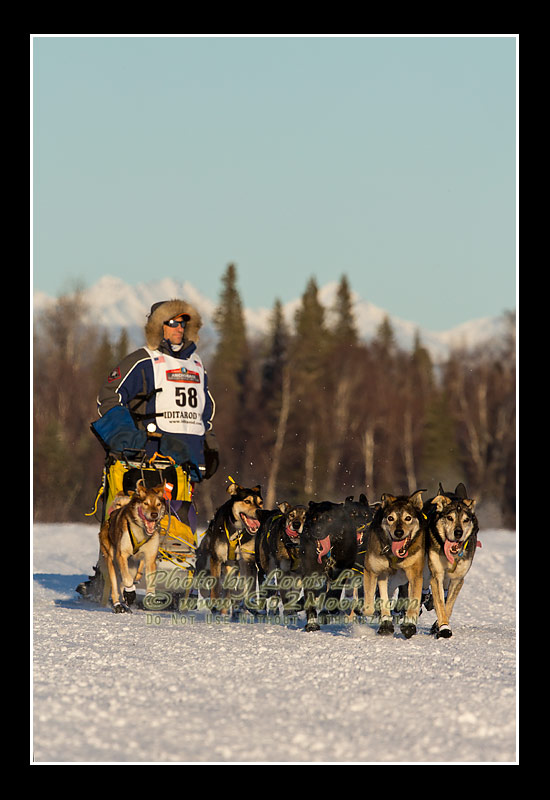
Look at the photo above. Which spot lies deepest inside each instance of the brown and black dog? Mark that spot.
(229, 544)
(395, 554)
(278, 550)
(132, 529)
(451, 546)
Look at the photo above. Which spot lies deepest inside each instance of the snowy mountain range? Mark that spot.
(114, 305)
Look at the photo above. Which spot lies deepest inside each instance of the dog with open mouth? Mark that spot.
(451, 546)
(229, 543)
(132, 530)
(395, 555)
(278, 550)
(328, 553)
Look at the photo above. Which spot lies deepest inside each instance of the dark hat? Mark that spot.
(162, 302)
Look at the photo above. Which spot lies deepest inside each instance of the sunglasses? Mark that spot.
(173, 323)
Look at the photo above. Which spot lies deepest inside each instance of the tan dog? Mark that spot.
(132, 529)
(452, 543)
(395, 555)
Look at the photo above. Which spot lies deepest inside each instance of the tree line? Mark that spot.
(309, 411)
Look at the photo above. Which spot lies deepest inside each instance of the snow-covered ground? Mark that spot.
(153, 689)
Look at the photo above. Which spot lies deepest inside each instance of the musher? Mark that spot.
(157, 398)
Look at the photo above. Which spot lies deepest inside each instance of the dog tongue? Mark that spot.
(323, 546)
(400, 548)
(252, 524)
(150, 526)
(291, 531)
(451, 549)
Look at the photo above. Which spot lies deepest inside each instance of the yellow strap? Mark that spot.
(183, 541)
(174, 559)
(94, 509)
(232, 542)
(464, 545)
(237, 535)
(136, 545)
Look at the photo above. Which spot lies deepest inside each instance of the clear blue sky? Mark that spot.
(389, 159)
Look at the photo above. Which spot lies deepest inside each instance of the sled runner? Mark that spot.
(176, 554)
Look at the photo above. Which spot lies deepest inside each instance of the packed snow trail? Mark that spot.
(173, 688)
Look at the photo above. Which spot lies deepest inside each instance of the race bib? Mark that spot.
(181, 400)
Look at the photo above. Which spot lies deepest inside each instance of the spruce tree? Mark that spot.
(384, 341)
(345, 332)
(310, 389)
(311, 337)
(345, 362)
(441, 456)
(104, 360)
(277, 354)
(229, 376)
(275, 402)
(231, 355)
(122, 345)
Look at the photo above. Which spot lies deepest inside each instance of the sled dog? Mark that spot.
(229, 541)
(451, 546)
(395, 554)
(278, 548)
(132, 529)
(328, 552)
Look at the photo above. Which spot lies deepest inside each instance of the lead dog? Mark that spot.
(395, 554)
(451, 546)
(132, 529)
(229, 542)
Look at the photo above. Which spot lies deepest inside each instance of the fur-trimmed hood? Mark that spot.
(168, 309)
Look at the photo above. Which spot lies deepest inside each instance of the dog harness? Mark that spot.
(294, 558)
(234, 541)
(135, 543)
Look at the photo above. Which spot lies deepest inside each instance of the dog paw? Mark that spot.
(444, 632)
(130, 596)
(312, 626)
(386, 628)
(408, 629)
(121, 608)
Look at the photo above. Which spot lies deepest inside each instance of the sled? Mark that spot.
(178, 543)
